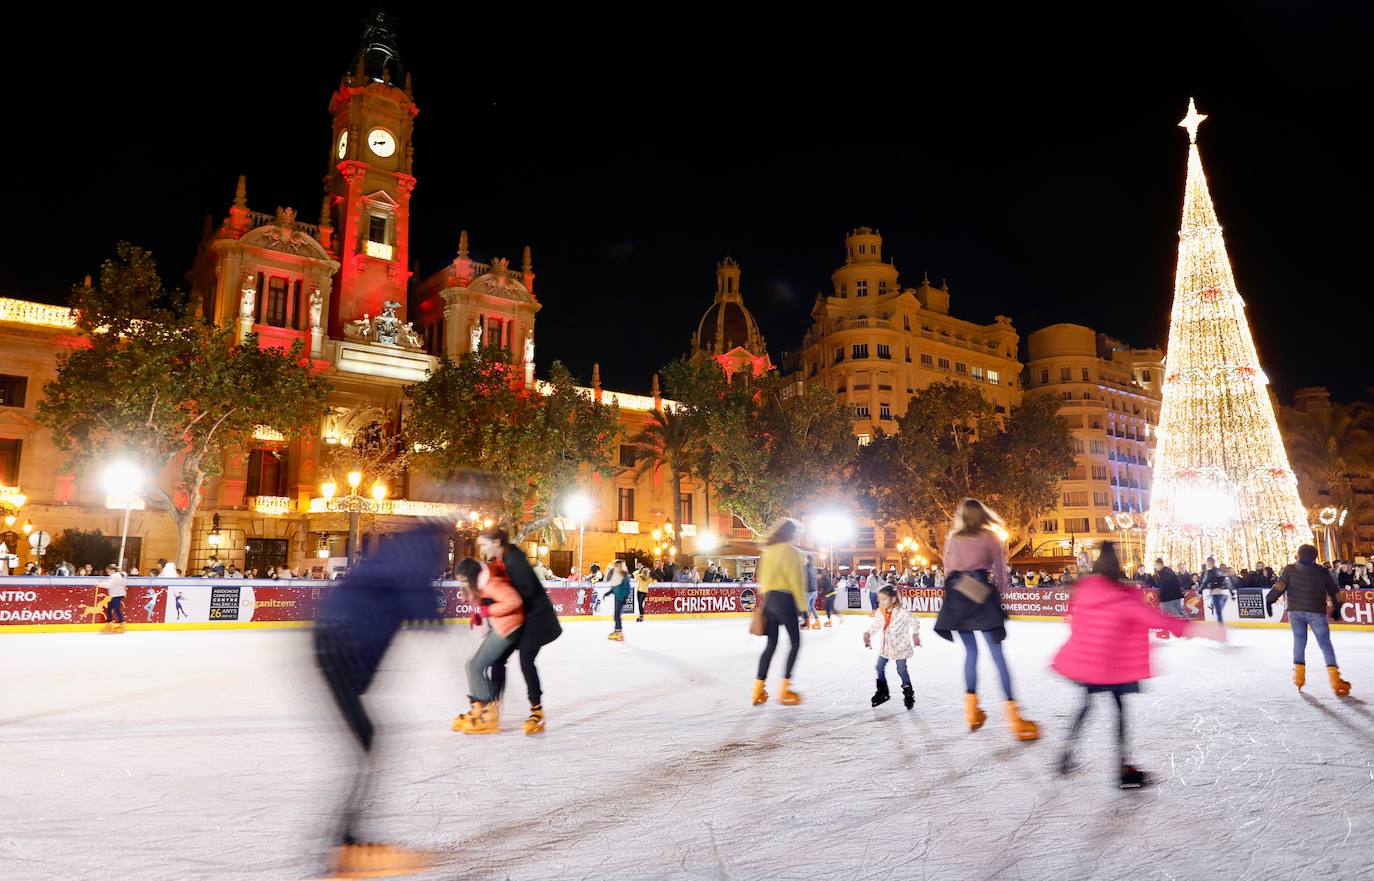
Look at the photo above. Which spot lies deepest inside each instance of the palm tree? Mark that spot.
(668, 441)
(1331, 448)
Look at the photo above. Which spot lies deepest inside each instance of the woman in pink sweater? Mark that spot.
(1109, 648)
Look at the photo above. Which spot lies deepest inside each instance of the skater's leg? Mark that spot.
(1218, 603)
(1321, 628)
(117, 609)
(528, 652)
(901, 671)
(1000, 659)
(641, 596)
(970, 660)
(347, 681)
(1298, 622)
(770, 623)
(794, 637)
(1121, 728)
(1078, 720)
(882, 667)
(498, 671)
(479, 682)
(615, 604)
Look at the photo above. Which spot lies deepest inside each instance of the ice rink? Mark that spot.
(213, 755)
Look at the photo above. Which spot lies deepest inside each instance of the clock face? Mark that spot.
(381, 142)
(343, 145)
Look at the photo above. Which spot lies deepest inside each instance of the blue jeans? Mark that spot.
(901, 670)
(1218, 603)
(971, 662)
(1173, 608)
(1321, 628)
(873, 599)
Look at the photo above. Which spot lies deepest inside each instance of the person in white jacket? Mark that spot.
(896, 634)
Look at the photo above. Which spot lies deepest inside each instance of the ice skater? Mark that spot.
(541, 625)
(486, 585)
(826, 585)
(810, 618)
(897, 635)
(181, 610)
(1216, 586)
(151, 604)
(116, 587)
(1308, 587)
(642, 581)
(975, 560)
(782, 578)
(618, 581)
(358, 620)
(1108, 650)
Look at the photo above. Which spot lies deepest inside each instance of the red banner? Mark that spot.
(684, 599)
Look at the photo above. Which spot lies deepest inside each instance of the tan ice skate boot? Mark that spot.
(760, 692)
(485, 719)
(1299, 675)
(535, 723)
(973, 713)
(1338, 685)
(1024, 729)
(787, 697)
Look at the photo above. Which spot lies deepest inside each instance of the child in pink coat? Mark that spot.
(1108, 649)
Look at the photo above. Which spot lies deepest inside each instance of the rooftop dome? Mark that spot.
(727, 324)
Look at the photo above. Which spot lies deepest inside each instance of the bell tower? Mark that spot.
(367, 190)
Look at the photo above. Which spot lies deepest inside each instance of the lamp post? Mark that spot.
(353, 504)
(830, 527)
(123, 479)
(578, 508)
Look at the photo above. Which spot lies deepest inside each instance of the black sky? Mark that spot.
(1032, 157)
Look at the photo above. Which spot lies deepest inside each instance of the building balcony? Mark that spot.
(272, 506)
(380, 250)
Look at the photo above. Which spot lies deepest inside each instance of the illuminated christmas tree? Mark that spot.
(1222, 485)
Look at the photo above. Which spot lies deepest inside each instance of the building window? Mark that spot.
(885, 351)
(684, 509)
(266, 473)
(865, 440)
(1100, 499)
(1145, 374)
(861, 288)
(944, 364)
(908, 354)
(1045, 377)
(628, 457)
(906, 322)
(1075, 499)
(811, 369)
(882, 288)
(376, 228)
(1049, 525)
(839, 355)
(625, 503)
(927, 359)
(867, 537)
(263, 553)
(13, 390)
(884, 411)
(860, 350)
(841, 387)
(994, 377)
(844, 292)
(978, 373)
(1000, 408)
(1077, 524)
(861, 411)
(1078, 446)
(9, 460)
(1065, 374)
(1099, 448)
(1099, 472)
(1085, 374)
(961, 368)
(274, 309)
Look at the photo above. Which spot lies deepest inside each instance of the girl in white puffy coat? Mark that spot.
(897, 635)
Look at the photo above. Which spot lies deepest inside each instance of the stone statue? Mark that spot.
(248, 302)
(316, 307)
(359, 329)
(475, 335)
(409, 338)
(529, 346)
(387, 326)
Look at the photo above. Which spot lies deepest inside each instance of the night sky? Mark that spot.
(1032, 160)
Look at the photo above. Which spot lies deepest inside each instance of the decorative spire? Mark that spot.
(86, 282)
(462, 244)
(1192, 121)
(925, 279)
(241, 192)
(654, 390)
(410, 92)
(527, 265)
(378, 58)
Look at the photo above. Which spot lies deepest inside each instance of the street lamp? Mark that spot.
(830, 527)
(353, 504)
(122, 479)
(28, 527)
(214, 538)
(579, 508)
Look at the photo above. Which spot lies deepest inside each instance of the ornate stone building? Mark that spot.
(727, 331)
(1110, 395)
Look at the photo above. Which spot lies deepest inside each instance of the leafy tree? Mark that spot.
(160, 386)
(767, 448)
(475, 416)
(1330, 448)
(951, 444)
(668, 441)
(81, 547)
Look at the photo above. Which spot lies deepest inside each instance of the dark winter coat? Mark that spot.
(1307, 586)
(958, 612)
(1167, 582)
(393, 586)
(541, 621)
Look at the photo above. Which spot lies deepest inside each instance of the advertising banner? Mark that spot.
(686, 599)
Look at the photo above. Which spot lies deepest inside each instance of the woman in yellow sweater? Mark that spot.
(782, 580)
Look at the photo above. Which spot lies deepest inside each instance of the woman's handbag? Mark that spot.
(975, 589)
(756, 624)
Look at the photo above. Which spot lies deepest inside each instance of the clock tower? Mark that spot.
(367, 190)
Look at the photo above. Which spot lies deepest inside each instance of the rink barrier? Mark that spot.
(29, 605)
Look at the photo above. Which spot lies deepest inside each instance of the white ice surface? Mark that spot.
(213, 755)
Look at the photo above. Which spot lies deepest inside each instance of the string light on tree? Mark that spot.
(1223, 485)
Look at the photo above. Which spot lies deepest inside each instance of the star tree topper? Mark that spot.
(1192, 121)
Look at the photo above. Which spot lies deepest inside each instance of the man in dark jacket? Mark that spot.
(1308, 587)
(1170, 591)
(357, 622)
(541, 625)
